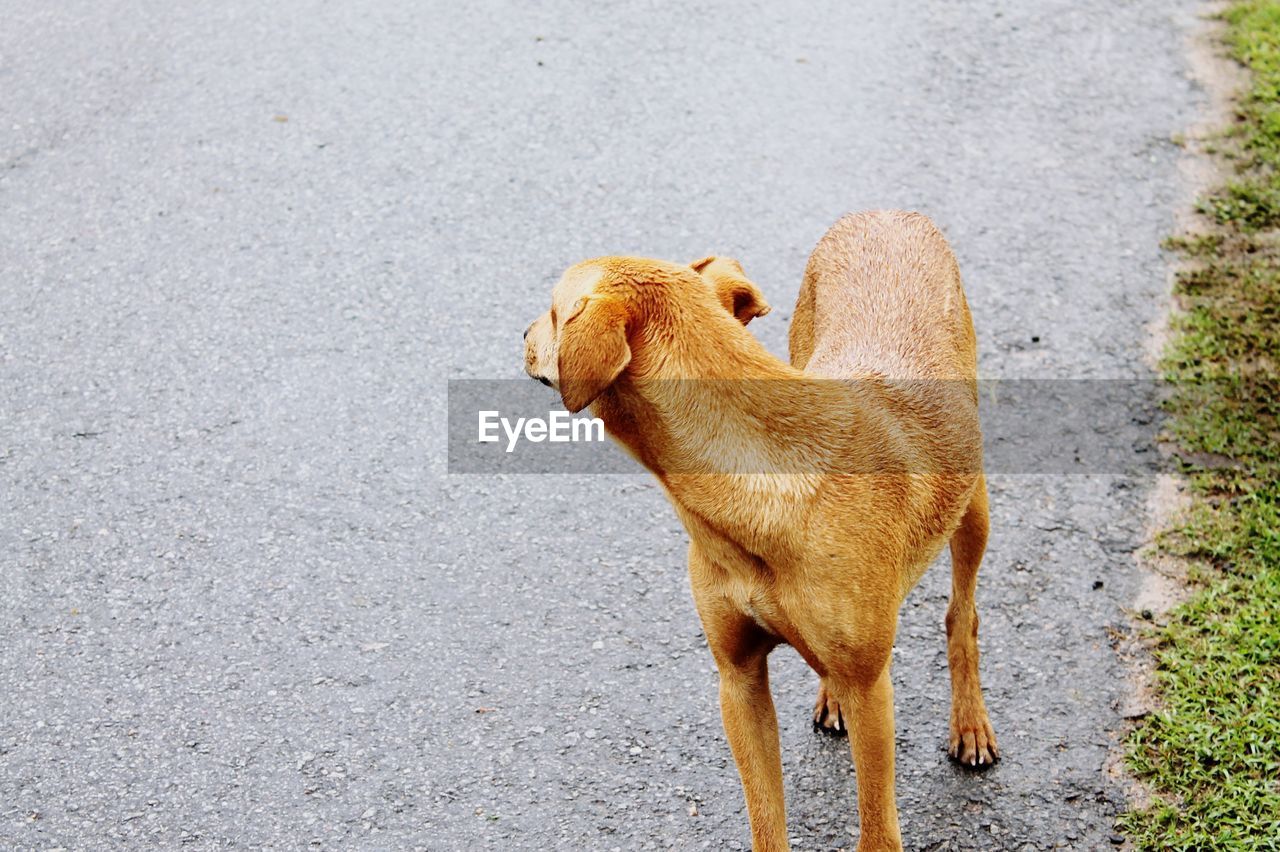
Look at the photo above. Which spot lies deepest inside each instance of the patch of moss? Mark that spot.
(1212, 754)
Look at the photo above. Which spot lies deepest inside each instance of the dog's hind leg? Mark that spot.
(827, 714)
(973, 742)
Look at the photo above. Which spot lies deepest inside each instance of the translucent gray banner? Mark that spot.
(1029, 426)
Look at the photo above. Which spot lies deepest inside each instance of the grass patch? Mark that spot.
(1212, 755)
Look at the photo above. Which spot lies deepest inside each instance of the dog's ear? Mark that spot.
(593, 350)
(736, 292)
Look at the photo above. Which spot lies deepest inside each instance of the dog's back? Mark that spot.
(882, 297)
(882, 306)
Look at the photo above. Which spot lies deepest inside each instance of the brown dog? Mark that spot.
(815, 494)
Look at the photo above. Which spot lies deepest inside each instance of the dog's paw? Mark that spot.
(827, 715)
(973, 741)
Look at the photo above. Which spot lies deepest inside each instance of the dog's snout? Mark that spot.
(528, 329)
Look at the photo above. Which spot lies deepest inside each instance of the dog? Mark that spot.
(815, 493)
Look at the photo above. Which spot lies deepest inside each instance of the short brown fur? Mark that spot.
(815, 494)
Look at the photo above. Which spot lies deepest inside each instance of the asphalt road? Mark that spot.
(243, 246)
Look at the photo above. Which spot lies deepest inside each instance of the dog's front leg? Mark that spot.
(752, 728)
(741, 650)
(871, 739)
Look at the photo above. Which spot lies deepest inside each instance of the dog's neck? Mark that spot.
(706, 420)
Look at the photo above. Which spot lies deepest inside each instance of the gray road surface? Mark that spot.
(244, 245)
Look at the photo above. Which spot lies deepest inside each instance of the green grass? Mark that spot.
(1212, 753)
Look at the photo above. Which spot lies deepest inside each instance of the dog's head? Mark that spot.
(583, 343)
